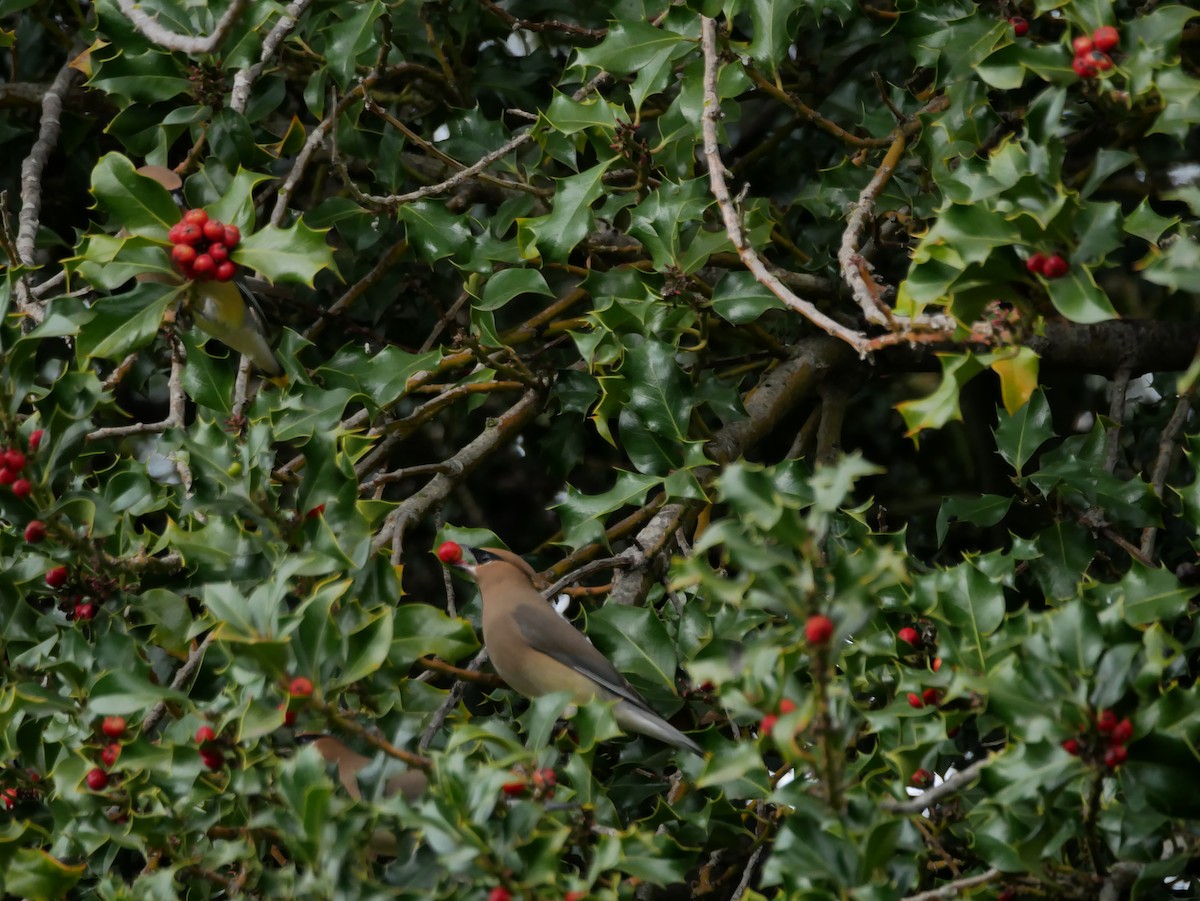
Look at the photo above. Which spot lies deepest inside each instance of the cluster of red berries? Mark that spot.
(11, 463)
(542, 782)
(300, 687)
(1091, 53)
(79, 606)
(210, 754)
(202, 247)
(14, 795)
(113, 728)
(499, 893)
(1105, 740)
(929, 697)
(768, 722)
(1048, 267)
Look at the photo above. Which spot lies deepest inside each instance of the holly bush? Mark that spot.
(741, 319)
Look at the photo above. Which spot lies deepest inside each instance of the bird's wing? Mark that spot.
(553, 636)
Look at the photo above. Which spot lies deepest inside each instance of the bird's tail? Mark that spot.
(634, 718)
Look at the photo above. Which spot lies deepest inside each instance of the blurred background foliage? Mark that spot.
(513, 306)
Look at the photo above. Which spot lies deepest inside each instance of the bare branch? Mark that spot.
(30, 217)
(182, 675)
(169, 40)
(497, 432)
(244, 80)
(733, 225)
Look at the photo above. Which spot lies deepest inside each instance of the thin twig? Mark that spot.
(955, 888)
(944, 789)
(1162, 464)
(733, 224)
(245, 78)
(182, 675)
(497, 432)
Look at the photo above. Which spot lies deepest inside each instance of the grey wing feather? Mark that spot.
(555, 637)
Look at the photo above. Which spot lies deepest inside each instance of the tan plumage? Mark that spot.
(410, 784)
(537, 652)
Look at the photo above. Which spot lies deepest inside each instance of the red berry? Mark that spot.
(1035, 263)
(225, 271)
(232, 236)
(450, 553)
(1102, 61)
(767, 724)
(545, 778)
(914, 700)
(1121, 732)
(219, 252)
(205, 734)
(1055, 267)
(11, 797)
(110, 753)
(1106, 38)
(937, 664)
(921, 778)
(22, 488)
(190, 233)
(97, 779)
(909, 636)
(203, 266)
(85, 613)
(574, 896)
(818, 630)
(300, 687)
(175, 235)
(289, 715)
(113, 726)
(57, 577)
(931, 696)
(195, 217)
(1082, 45)
(1106, 722)
(35, 531)
(214, 230)
(7, 477)
(35, 438)
(1115, 756)
(499, 894)
(212, 758)
(183, 255)
(1020, 26)
(786, 706)
(514, 789)
(1071, 746)
(14, 460)
(1083, 68)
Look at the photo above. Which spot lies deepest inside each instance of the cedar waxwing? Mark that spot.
(536, 651)
(224, 310)
(409, 784)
